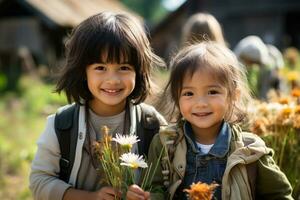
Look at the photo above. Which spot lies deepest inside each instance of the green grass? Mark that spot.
(23, 119)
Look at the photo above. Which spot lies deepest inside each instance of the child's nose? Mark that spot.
(201, 101)
(113, 78)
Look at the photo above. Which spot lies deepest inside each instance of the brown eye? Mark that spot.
(125, 68)
(212, 92)
(100, 68)
(187, 94)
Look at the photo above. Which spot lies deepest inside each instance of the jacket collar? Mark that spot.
(221, 145)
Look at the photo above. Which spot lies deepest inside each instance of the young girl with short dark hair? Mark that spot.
(107, 73)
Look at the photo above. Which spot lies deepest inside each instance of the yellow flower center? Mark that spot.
(127, 146)
(134, 165)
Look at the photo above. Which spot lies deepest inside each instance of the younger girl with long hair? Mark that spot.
(208, 91)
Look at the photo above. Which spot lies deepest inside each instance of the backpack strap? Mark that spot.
(66, 129)
(147, 126)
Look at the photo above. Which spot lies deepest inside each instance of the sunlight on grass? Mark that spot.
(25, 117)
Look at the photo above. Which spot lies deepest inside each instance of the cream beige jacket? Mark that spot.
(271, 183)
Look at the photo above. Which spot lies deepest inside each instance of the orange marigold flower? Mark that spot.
(296, 92)
(297, 110)
(201, 191)
(284, 100)
(259, 126)
(284, 117)
(286, 111)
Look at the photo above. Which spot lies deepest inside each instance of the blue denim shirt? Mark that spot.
(202, 167)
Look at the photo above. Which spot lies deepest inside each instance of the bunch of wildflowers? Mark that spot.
(117, 161)
(278, 123)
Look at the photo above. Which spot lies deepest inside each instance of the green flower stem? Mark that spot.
(282, 149)
(146, 177)
(144, 186)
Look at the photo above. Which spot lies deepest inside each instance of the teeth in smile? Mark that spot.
(111, 91)
(202, 114)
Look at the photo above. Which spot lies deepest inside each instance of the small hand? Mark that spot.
(136, 193)
(107, 193)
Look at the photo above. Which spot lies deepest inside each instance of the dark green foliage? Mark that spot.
(152, 11)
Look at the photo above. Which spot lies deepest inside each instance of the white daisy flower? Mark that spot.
(274, 107)
(126, 140)
(133, 160)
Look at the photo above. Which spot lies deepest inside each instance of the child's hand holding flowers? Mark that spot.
(136, 193)
(119, 164)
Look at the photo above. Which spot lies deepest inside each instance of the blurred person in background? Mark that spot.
(276, 64)
(261, 73)
(202, 26)
(276, 56)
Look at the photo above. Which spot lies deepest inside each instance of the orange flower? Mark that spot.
(284, 100)
(259, 126)
(297, 110)
(283, 118)
(296, 92)
(201, 191)
(286, 111)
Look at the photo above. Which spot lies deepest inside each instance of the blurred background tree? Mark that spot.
(153, 11)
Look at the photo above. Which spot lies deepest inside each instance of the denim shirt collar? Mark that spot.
(221, 145)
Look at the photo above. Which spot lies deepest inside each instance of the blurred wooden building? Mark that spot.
(276, 22)
(41, 26)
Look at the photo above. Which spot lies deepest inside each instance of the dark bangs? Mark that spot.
(110, 47)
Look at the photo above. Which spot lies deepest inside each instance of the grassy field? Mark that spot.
(23, 116)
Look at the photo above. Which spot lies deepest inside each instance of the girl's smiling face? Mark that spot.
(203, 102)
(110, 85)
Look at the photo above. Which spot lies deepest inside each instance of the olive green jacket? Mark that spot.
(245, 148)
